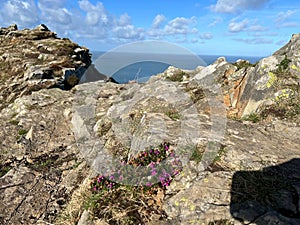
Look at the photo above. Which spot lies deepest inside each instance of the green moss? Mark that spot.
(196, 155)
(172, 114)
(22, 132)
(221, 152)
(14, 122)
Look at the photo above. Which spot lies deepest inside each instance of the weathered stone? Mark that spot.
(38, 55)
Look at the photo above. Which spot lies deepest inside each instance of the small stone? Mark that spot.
(29, 134)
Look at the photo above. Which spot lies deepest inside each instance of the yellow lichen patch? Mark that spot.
(284, 94)
(192, 207)
(294, 67)
(272, 79)
(183, 199)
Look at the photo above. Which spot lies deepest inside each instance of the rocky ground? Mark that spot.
(235, 128)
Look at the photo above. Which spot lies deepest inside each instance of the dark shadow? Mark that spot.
(269, 196)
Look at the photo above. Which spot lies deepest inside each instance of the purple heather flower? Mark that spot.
(152, 165)
(166, 147)
(148, 184)
(156, 152)
(112, 177)
(99, 179)
(153, 172)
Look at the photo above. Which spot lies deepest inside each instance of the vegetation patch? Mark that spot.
(243, 64)
(178, 76)
(117, 202)
(22, 132)
(4, 169)
(252, 117)
(284, 108)
(197, 154)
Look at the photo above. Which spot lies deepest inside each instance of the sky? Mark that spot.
(207, 27)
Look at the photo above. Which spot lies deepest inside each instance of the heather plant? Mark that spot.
(112, 192)
(150, 158)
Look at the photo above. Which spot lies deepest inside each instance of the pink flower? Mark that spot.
(153, 172)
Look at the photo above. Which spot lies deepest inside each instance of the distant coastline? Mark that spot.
(142, 71)
(209, 59)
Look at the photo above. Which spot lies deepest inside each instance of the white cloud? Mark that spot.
(283, 19)
(179, 25)
(289, 24)
(158, 20)
(263, 34)
(254, 41)
(128, 32)
(235, 27)
(124, 20)
(206, 36)
(95, 14)
(235, 6)
(215, 22)
(100, 23)
(23, 13)
(54, 13)
(256, 28)
(283, 16)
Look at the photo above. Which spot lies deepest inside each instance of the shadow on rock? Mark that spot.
(268, 196)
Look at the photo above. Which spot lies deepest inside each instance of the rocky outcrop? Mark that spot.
(235, 169)
(36, 59)
(252, 88)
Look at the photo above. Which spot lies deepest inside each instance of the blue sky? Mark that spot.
(210, 27)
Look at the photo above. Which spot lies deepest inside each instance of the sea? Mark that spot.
(125, 67)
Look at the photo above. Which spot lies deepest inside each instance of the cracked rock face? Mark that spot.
(43, 163)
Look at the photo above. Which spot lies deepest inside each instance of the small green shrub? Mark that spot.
(22, 132)
(253, 117)
(243, 64)
(196, 155)
(173, 114)
(177, 76)
(284, 64)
